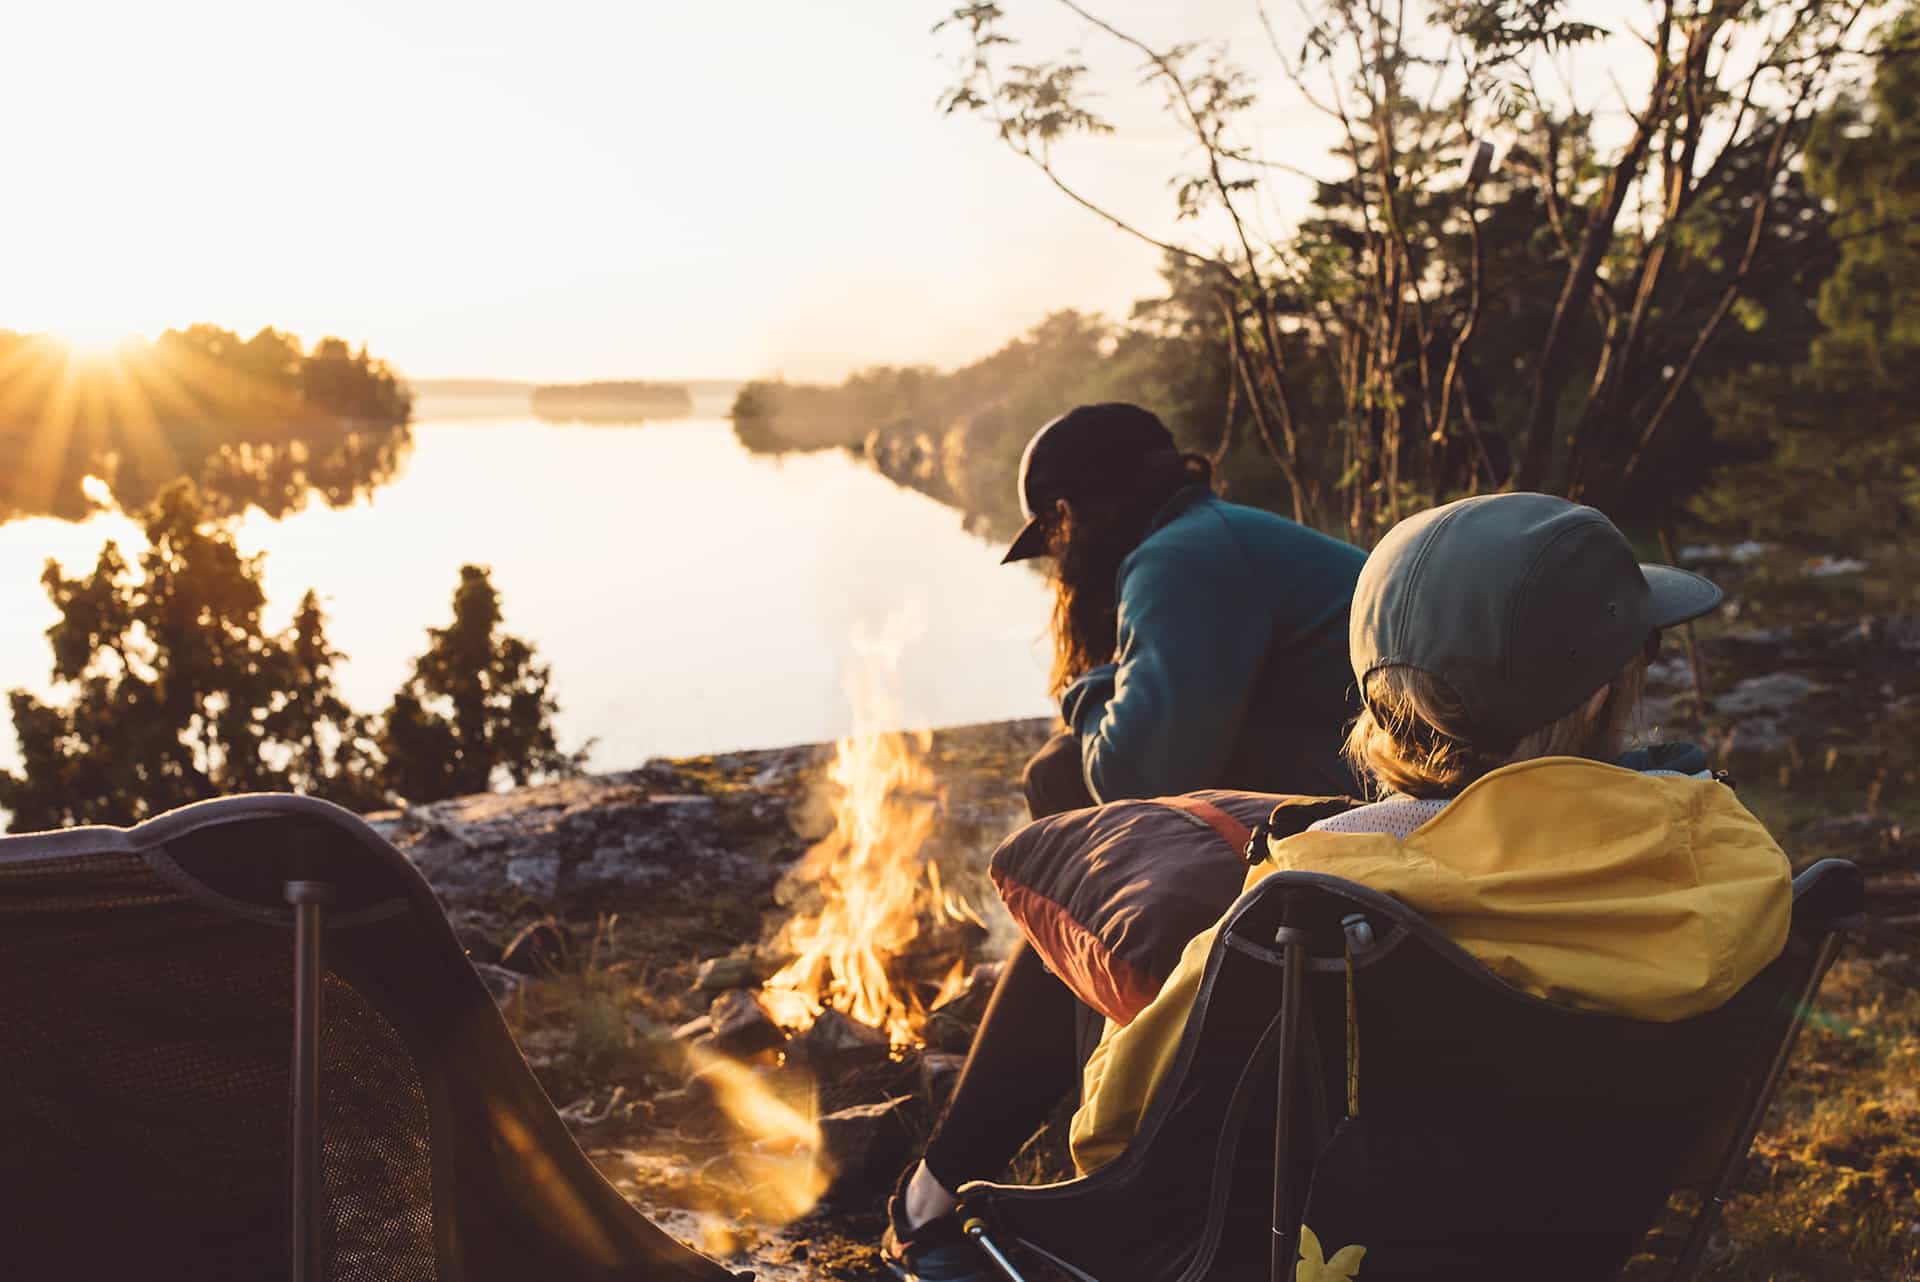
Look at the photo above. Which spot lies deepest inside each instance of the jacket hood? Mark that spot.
(1649, 895)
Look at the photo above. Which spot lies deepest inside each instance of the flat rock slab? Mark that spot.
(685, 852)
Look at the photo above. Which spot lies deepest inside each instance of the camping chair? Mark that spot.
(1349, 1069)
(240, 1041)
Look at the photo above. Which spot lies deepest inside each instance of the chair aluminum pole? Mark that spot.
(1293, 948)
(1708, 1216)
(309, 900)
(976, 1229)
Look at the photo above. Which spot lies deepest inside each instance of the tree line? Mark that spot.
(258, 422)
(1671, 319)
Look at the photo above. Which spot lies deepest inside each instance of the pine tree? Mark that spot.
(169, 690)
(478, 709)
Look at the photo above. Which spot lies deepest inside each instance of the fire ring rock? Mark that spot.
(938, 1072)
(866, 1146)
(741, 1025)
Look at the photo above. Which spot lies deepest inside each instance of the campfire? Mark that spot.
(826, 1072)
(883, 909)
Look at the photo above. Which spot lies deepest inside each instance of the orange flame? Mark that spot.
(878, 892)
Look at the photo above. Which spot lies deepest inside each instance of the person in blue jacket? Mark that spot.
(1197, 644)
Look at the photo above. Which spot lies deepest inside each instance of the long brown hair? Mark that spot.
(1413, 738)
(1088, 538)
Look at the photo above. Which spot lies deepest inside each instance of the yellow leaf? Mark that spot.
(1314, 1265)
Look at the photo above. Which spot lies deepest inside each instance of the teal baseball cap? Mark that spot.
(1523, 604)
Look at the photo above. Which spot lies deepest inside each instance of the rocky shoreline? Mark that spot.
(689, 850)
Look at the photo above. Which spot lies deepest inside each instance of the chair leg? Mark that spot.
(309, 900)
(1293, 947)
(976, 1229)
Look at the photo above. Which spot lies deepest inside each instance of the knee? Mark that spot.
(1053, 780)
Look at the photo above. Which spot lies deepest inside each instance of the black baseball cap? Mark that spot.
(1523, 604)
(1091, 449)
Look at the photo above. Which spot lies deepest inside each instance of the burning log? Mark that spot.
(952, 1023)
(717, 974)
(833, 1040)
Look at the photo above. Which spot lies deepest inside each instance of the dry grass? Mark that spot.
(1832, 1188)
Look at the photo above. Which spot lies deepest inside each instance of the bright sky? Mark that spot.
(569, 190)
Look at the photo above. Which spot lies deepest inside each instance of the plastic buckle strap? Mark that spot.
(1254, 853)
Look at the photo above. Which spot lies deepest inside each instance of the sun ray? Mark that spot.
(137, 429)
(51, 418)
(198, 402)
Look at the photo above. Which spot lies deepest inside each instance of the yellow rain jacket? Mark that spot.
(1653, 896)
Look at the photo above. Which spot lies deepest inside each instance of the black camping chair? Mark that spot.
(240, 1041)
(1488, 1134)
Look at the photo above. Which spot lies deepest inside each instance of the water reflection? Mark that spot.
(688, 595)
(256, 423)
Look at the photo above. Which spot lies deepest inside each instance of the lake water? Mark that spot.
(689, 596)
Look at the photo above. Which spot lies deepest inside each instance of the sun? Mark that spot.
(92, 342)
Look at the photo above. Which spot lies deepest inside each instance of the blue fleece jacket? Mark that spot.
(1231, 664)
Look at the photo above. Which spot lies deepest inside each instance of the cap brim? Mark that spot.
(1679, 595)
(1029, 543)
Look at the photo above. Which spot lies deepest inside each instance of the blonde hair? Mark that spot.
(1413, 735)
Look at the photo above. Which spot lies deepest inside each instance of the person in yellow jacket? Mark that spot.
(1501, 645)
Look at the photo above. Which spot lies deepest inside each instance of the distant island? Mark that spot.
(611, 402)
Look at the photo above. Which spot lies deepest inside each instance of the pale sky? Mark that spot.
(570, 190)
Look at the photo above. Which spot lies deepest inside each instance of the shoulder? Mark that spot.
(1273, 529)
(1196, 536)
(1212, 524)
(1209, 546)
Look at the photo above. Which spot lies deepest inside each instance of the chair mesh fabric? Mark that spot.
(146, 1054)
(144, 1062)
(145, 1051)
(376, 1155)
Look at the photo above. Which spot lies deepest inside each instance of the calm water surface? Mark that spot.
(689, 596)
